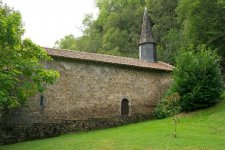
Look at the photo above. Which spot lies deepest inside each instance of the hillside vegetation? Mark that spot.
(117, 28)
(200, 130)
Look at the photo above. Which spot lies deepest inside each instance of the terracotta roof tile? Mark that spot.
(108, 59)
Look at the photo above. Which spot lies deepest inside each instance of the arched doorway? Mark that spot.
(125, 107)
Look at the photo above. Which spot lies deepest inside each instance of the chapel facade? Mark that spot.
(101, 86)
(94, 87)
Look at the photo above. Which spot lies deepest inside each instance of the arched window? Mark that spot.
(42, 102)
(125, 107)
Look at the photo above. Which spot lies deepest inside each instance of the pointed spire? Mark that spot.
(147, 45)
(146, 32)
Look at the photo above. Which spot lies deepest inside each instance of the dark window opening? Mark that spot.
(124, 107)
(42, 100)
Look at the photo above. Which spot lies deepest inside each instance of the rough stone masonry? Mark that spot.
(94, 91)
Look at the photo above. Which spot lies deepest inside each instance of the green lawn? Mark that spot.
(201, 130)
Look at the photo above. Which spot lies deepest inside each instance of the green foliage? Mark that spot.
(203, 23)
(176, 24)
(197, 83)
(197, 78)
(168, 106)
(116, 30)
(165, 27)
(67, 42)
(21, 73)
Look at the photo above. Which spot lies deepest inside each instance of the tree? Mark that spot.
(182, 23)
(197, 83)
(21, 73)
(176, 24)
(115, 31)
(68, 42)
(203, 23)
(197, 78)
(166, 28)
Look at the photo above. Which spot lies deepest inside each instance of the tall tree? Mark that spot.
(165, 27)
(116, 30)
(203, 23)
(21, 73)
(176, 24)
(68, 42)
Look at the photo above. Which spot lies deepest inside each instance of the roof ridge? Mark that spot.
(97, 54)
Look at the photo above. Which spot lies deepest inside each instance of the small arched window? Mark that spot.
(42, 103)
(125, 107)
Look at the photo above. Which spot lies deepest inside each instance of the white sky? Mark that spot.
(49, 20)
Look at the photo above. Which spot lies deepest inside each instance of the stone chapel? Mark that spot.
(96, 90)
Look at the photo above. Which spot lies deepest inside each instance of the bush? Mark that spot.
(197, 78)
(197, 83)
(168, 106)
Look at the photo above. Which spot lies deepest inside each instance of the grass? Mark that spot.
(200, 130)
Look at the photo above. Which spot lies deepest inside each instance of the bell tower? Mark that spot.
(147, 44)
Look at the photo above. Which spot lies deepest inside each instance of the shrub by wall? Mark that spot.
(169, 105)
(197, 79)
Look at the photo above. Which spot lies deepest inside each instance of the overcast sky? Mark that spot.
(49, 20)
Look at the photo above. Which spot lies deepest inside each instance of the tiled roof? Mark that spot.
(108, 59)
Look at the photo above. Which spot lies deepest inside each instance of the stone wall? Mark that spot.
(88, 95)
(12, 134)
(94, 90)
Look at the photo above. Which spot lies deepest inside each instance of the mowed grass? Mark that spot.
(200, 130)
